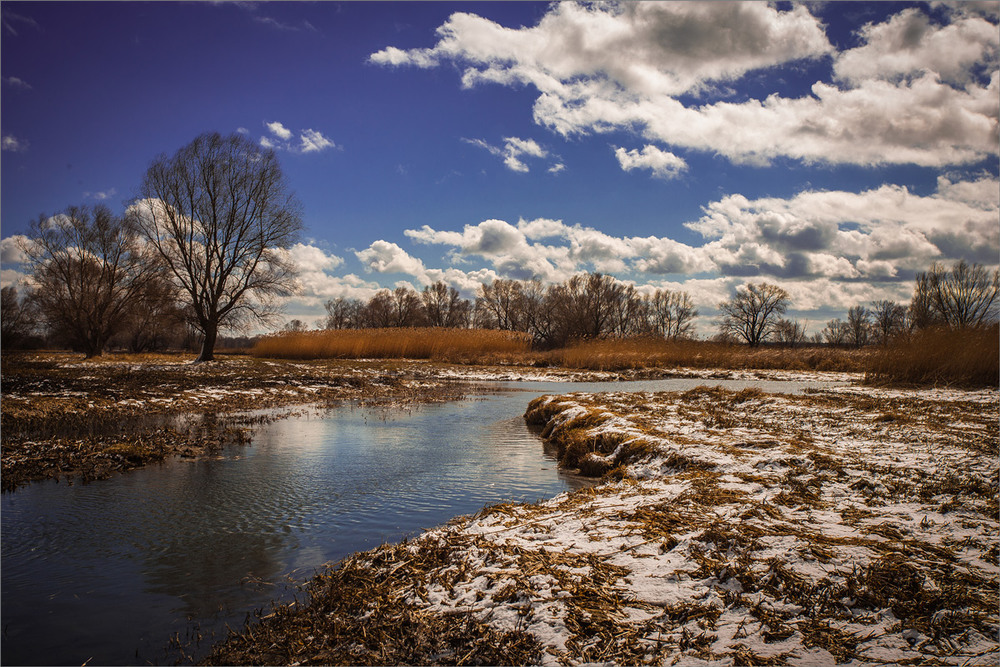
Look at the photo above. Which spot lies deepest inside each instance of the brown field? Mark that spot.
(441, 344)
(965, 358)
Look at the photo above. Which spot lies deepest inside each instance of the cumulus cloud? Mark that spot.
(908, 44)
(911, 92)
(278, 130)
(874, 234)
(663, 164)
(10, 249)
(878, 235)
(387, 257)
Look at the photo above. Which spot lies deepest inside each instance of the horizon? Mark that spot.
(836, 150)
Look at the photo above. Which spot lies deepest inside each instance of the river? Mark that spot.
(107, 572)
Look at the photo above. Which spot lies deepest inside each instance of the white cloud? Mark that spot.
(652, 48)
(599, 68)
(11, 143)
(512, 151)
(15, 82)
(909, 44)
(387, 257)
(10, 249)
(878, 232)
(312, 141)
(663, 164)
(278, 130)
(101, 196)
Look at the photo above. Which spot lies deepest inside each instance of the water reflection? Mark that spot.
(108, 571)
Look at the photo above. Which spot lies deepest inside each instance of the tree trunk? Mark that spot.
(208, 345)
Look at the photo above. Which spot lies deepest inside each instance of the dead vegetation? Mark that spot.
(757, 544)
(67, 418)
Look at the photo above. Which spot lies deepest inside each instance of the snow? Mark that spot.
(734, 556)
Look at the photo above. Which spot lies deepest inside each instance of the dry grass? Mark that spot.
(490, 346)
(618, 354)
(964, 358)
(413, 343)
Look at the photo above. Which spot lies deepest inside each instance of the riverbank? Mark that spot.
(853, 525)
(68, 418)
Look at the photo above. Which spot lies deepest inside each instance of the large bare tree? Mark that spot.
(87, 267)
(220, 215)
(964, 296)
(752, 313)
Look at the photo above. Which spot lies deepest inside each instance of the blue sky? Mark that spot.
(832, 148)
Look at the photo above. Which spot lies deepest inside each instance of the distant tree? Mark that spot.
(888, 320)
(836, 332)
(789, 332)
(154, 318)
(219, 213)
(500, 304)
(16, 318)
(670, 314)
(753, 311)
(444, 307)
(342, 313)
(394, 308)
(964, 296)
(88, 268)
(858, 325)
(295, 326)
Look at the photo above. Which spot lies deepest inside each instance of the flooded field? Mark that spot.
(110, 570)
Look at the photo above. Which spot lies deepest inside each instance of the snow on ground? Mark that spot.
(746, 528)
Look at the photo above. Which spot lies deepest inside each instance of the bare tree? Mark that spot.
(87, 267)
(154, 318)
(670, 314)
(219, 213)
(888, 320)
(858, 325)
(752, 313)
(964, 296)
(500, 304)
(836, 332)
(443, 307)
(16, 318)
(342, 313)
(789, 332)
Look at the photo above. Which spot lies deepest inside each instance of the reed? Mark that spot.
(460, 345)
(939, 356)
(638, 353)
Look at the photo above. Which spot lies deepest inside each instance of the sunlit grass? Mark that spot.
(965, 358)
(637, 353)
(466, 345)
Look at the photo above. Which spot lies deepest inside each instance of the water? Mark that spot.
(107, 572)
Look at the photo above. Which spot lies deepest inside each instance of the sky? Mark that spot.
(835, 149)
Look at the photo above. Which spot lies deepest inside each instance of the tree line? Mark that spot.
(586, 306)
